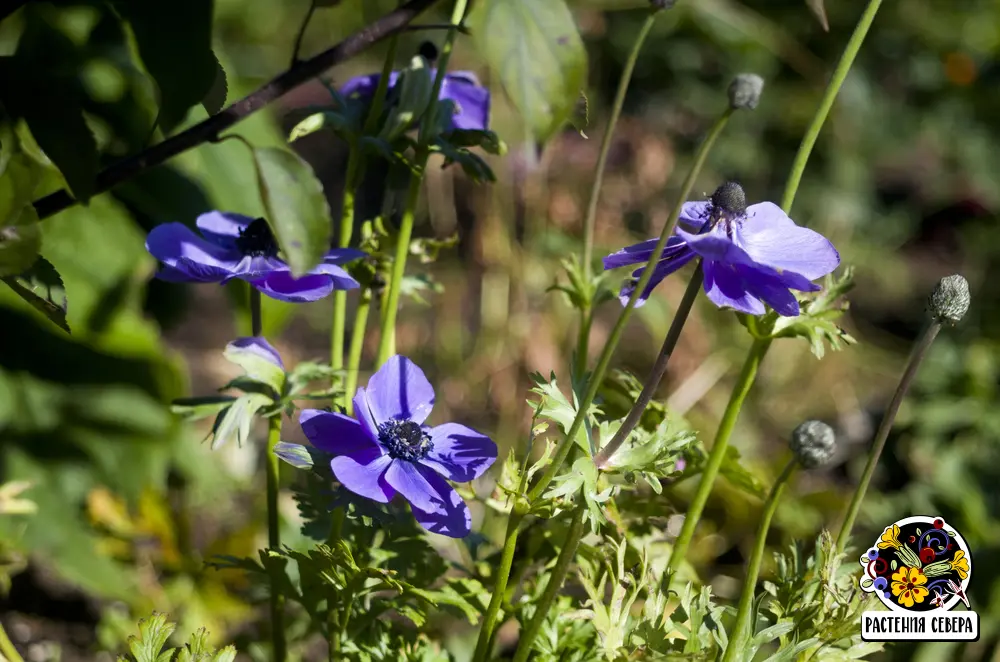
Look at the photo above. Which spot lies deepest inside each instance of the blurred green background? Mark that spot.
(903, 180)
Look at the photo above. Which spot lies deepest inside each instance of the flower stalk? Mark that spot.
(556, 579)
(595, 191)
(593, 384)
(354, 352)
(744, 382)
(7, 650)
(277, 601)
(656, 373)
(917, 355)
(742, 627)
(387, 340)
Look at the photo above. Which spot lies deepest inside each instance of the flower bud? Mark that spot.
(662, 4)
(950, 300)
(730, 198)
(813, 443)
(744, 91)
(416, 84)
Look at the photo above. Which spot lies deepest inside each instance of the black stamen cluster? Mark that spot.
(730, 199)
(256, 240)
(405, 440)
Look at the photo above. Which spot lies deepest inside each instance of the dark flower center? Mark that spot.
(428, 50)
(729, 201)
(405, 440)
(256, 240)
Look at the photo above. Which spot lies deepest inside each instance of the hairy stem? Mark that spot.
(274, 536)
(616, 333)
(586, 312)
(656, 374)
(716, 456)
(556, 579)
(354, 352)
(742, 627)
(832, 89)
(917, 355)
(499, 590)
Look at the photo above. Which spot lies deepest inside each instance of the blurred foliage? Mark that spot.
(901, 179)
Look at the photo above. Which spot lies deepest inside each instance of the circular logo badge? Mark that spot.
(918, 564)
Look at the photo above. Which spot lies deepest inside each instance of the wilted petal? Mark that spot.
(771, 238)
(472, 100)
(460, 453)
(280, 285)
(725, 288)
(435, 504)
(400, 390)
(695, 214)
(338, 434)
(179, 247)
(259, 346)
(364, 476)
(641, 252)
(662, 269)
(222, 227)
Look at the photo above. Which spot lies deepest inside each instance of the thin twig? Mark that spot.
(390, 24)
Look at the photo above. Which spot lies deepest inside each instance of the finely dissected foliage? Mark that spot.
(618, 525)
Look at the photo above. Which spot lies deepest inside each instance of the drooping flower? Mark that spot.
(960, 564)
(389, 450)
(472, 100)
(889, 538)
(751, 255)
(908, 586)
(236, 246)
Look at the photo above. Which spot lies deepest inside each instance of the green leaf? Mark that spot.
(296, 206)
(20, 236)
(536, 51)
(153, 634)
(296, 455)
(174, 40)
(215, 99)
(50, 104)
(233, 423)
(193, 409)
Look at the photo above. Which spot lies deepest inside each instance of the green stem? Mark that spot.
(496, 600)
(256, 325)
(656, 374)
(602, 155)
(333, 627)
(387, 341)
(556, 579)
(274, 536)
(742, 626)
(616, 333)
(920, 349)
(586, 311)
(832, 88)
(7, 647)
(302, 32)
(718, 453)
(343, 240)
(354, 352)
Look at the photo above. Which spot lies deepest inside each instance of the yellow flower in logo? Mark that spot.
(890, 538)
(960, 564)
(908, 586)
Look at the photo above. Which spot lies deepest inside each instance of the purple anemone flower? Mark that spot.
(237, 246)
(751, 255)
(388, 449)
(472, 100)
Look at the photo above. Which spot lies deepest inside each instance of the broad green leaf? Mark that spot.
(536, 51)
(215, 99)
(174, 40)
(20, 237)
(296, 207)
